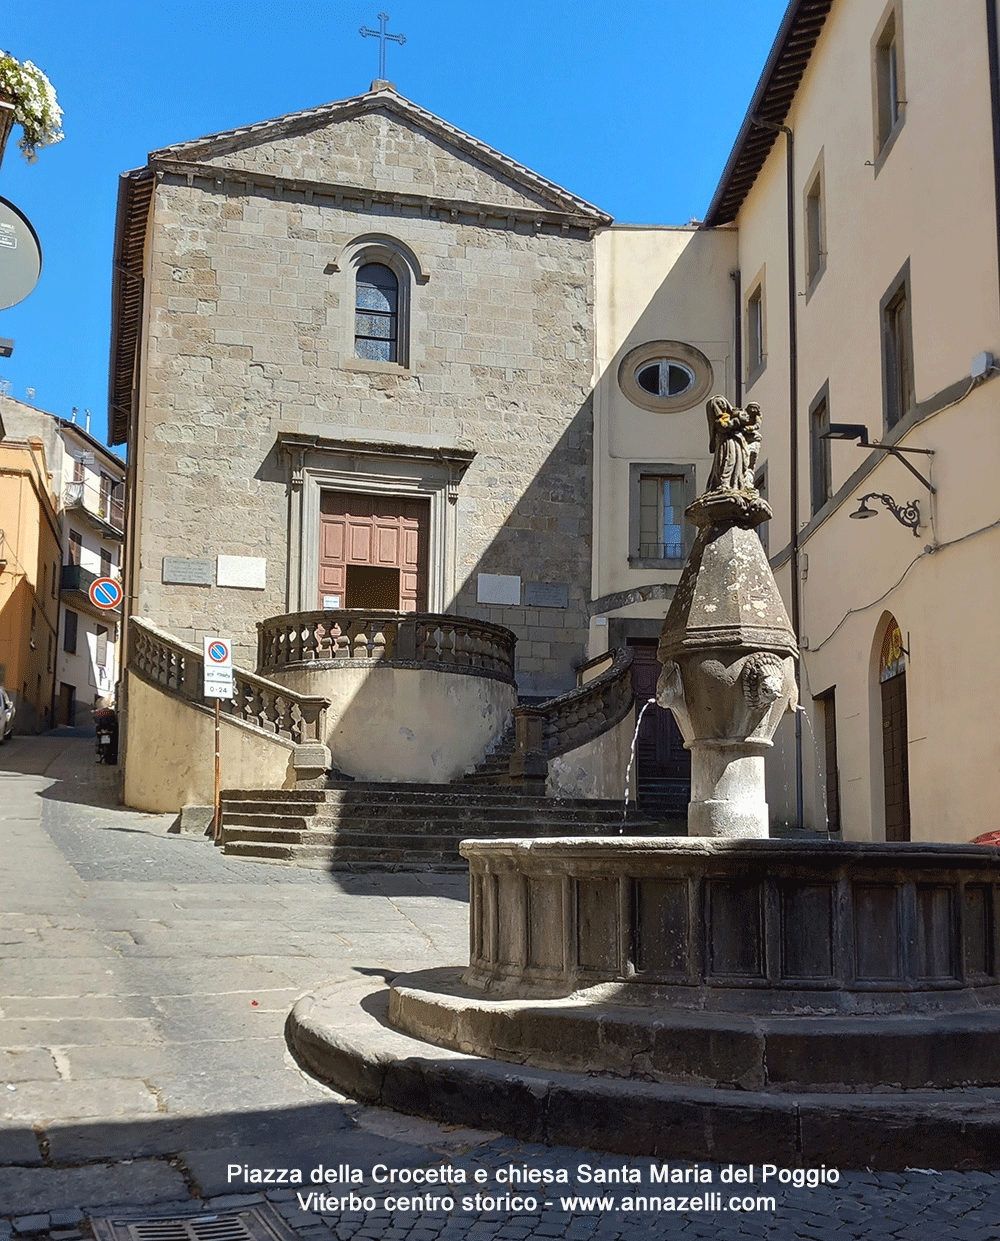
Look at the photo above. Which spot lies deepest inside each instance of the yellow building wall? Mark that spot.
(29, 581)
(653, 284)
(929, 202)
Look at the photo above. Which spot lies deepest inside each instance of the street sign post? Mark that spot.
(218, 668)
(105, 593)
(218, 685)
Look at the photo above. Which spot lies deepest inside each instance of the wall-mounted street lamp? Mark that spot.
(907, 515)
(858, 431)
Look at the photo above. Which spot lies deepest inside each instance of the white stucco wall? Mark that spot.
(929, 203)
(406, 725)
(172, 744)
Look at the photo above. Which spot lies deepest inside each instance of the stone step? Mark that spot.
(325, 858)
(443, 794)
(255, 814)
(415, 838)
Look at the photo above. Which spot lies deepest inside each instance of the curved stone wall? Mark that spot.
(404, 724)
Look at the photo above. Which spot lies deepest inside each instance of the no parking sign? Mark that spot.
(218, 668)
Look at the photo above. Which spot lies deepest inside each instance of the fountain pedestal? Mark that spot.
(728, 655)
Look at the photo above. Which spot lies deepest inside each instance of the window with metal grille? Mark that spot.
(376, 316)
(661, 533)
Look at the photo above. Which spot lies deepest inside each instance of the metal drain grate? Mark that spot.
(259, 1223)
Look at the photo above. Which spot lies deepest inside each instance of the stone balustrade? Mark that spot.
(324, 639)
(178, 669)
(569, 721)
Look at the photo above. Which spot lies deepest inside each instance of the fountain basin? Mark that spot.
(750, 926)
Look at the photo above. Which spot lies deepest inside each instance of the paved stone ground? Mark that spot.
(144, 983)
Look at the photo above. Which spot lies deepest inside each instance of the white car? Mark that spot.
(7, 713)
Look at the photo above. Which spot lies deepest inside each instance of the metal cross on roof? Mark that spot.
(382, 35)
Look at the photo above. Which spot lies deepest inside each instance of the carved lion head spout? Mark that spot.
(669, 687)
(763, 679)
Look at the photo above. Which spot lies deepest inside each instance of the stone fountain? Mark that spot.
(720, 996)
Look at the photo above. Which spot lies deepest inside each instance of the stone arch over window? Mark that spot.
(383, 273)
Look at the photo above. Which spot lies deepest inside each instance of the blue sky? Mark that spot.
(633, 107)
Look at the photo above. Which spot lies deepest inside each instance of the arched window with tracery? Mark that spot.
(376, 314)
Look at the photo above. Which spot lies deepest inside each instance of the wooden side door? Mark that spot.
(662, 763)
(894, 758)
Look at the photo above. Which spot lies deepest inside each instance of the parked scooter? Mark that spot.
(106, 722)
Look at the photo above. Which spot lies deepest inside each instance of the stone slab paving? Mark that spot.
(144, 984)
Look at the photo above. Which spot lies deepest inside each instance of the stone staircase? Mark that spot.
(350, 826)
(493, 770)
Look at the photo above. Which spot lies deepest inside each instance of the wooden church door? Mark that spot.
(373, 551)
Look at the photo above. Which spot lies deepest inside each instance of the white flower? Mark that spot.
(34, 100)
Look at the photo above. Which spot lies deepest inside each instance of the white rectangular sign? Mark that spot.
(218, 668)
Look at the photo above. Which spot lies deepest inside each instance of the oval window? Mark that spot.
(665, 375)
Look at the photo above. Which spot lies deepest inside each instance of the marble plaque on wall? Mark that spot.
(248, 572)
(181, 571)
(546, 595)
(498, 588)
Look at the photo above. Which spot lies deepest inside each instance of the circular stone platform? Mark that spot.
(699, 999)
(340, 1033)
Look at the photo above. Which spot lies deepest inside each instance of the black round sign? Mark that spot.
(20, 255)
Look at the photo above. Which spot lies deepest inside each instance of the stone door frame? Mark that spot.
(316, 464)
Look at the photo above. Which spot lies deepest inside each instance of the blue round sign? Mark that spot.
(217, 652)
(105, 592)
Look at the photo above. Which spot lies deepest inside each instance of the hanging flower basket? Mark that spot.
(27, 99)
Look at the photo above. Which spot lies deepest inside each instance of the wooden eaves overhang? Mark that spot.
(800, 28)
(135, 193)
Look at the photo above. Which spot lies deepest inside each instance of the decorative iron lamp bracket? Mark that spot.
(907, 515)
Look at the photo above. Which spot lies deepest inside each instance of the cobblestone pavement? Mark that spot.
(145, 980)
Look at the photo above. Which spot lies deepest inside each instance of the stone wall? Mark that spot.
(250, 335)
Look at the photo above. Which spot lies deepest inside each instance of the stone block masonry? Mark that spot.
(250, 335)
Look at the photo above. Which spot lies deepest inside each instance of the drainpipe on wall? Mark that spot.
(793, 431)
(993, 40)
(737, 279)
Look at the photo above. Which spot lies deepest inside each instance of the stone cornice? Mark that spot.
(560, 201)
(343, 194)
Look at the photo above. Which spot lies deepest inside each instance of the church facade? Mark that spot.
(363, 381)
